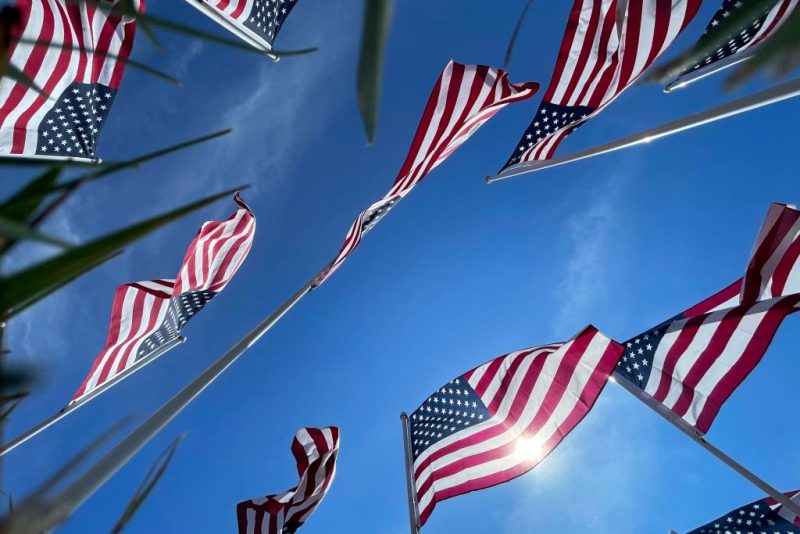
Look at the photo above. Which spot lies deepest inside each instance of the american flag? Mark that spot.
(146, 316)
(315, 450)
(501, 419)
(694, 361)
(81, 71)
(766, 516)
(463, 99)
(260, 20)
(748, 36)
(600, 57)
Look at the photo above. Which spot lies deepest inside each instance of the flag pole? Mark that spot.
(690, 431)
(413, 508)
(70, 408)
(773, 95)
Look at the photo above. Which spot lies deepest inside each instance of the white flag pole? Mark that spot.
(47, 423)
(690, 431)
(778, 93)
(413, 507)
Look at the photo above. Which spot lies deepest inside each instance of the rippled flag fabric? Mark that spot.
(315, 451)
(463, 99)
(694, 361)
(748, 37)
(259, 20)
(499, 420)
(765, 516)
(80, 67)
(600, 57)
(146, 316)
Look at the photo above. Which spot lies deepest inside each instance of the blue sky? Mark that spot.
(459, 273)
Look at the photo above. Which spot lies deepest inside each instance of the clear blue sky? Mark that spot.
(459, 273)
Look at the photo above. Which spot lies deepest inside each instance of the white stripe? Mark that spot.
(608, 57)
(688, 357)
(40, 78)
(646, 29)
(727, 359)
(568, 72)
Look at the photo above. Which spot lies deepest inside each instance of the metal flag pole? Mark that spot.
(413, 508)
(778, 93)
(682, 81)
(70, 408)
(690, 431)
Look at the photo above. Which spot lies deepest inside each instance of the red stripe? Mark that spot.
(633, 31)
(31, 68)
(609, 26)
(75, 21)
(566, 45)
(660, 29)
(716, 346)
(750, 357)
(754, 279)
(115, 352)
(685, 338)
(586, 51)
(237, 12)
(127, 33)
(715, 300)
(781, 275)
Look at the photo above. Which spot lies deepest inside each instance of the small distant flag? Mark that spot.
(601, 55)
(463, 99)
(81, 70)
(739, 47)
(145, 316)
(766, 516)
(257, 22)
(499, 420)
(315, 451)
(694, 361)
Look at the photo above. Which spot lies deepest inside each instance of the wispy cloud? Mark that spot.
(587, 266)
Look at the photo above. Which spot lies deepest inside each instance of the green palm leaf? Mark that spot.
(377, 19)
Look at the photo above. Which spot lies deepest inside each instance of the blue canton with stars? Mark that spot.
(742, 38)
(755, 518)
(72, 126)
(181, 309)
(372, 217)
(267, 16)
(454, 407)
(549, 119)
(637, 359)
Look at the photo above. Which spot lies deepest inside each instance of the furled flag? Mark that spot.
(463, 99)
(502, 418)
(694, 361)
(601, 55)
(256, 22)
(147, 316)
(766, 516)
(315, 450)
(76, 53)
(741, 45)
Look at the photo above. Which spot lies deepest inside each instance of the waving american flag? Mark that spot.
(255, 21)
(75, 52)
(765, 516)
(315, 451)
(146, 316)
(694, 361)
(463, 99)
(499, 420)
(739, 47)
(601, 55)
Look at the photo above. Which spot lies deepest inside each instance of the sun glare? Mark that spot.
(528, 449)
